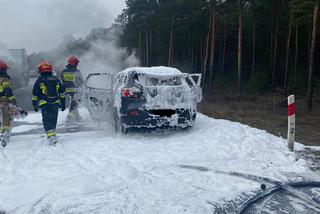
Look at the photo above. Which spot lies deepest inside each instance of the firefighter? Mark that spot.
(49, 96)
(72, 80)
(6, 98)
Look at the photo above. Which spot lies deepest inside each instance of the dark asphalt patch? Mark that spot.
(295, 197)
(312, 156)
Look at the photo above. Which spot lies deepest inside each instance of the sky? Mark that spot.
(40, 25)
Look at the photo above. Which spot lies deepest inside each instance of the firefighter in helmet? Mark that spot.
(49, 96)
(6, 98)
(72, 80)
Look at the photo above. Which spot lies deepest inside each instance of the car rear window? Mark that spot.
(153, 81)
(158, 81)
(100, 82)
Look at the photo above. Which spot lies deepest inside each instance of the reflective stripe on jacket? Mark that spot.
(48, 90)
(71, 79)
(6, 91)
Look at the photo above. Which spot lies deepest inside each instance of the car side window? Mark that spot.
(188, 81)
(116, 83)
(125, 80)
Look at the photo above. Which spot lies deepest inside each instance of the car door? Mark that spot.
(96, 95)
(194, 81)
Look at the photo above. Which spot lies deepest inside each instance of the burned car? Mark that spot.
(155, 97)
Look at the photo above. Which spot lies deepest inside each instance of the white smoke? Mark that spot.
(99, 52)
(107, 57)
(38, 25)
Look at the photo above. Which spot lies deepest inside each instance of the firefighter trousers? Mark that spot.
(6, 119)
(73, 109)
(50, 117)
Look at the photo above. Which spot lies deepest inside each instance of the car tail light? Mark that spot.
(134, 113)
(126, 92)
(131, 92)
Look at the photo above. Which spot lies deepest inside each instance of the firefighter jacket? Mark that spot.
(71, 79)
(48, 90)
(6, 90)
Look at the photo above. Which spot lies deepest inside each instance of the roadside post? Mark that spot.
(291, 122)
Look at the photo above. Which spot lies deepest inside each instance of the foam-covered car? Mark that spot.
(151, 97)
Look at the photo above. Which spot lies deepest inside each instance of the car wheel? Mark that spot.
(118, 126)
(124, 130)
(116, 121)
(194, 116)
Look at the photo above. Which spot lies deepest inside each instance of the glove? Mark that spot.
(63, 107)
(35, 109)
(24, 113)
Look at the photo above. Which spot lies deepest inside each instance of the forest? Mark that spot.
(244, 46)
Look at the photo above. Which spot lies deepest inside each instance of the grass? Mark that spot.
(267, 112)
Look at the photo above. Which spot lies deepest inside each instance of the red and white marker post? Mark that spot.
(291, 122)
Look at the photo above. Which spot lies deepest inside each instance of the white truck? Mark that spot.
(17, 60)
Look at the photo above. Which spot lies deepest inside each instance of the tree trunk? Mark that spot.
(224, 51)
(309, 46)
(206, 55)
(147, 48)
(296, 55)
(139, 49)
(151, 45)
(192, 58)
(195, 54)
(212, 55)
(240, 46)
(312, 53)
(171, 41)
(188, 56)
(271, 37)
(201, 52)
(287, 56)
(275, 48)
(253, 39)
(190, 50)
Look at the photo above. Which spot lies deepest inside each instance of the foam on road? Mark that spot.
(98, 171)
